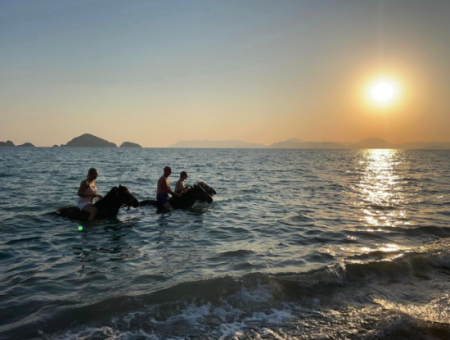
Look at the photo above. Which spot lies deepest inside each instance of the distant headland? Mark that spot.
(88, 140)
(295, 143)
(10, 144)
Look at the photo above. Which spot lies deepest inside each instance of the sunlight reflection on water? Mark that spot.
(381, 188)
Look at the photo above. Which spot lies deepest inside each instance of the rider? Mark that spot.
(87, 192)
(180, 187)
(163, 190)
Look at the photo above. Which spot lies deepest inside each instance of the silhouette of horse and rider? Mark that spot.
(109, 205)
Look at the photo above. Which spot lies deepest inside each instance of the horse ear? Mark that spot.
(120, 185)
(195, 185)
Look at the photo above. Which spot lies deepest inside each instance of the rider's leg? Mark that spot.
(91, 210)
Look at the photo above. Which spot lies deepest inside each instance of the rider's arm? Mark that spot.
(173, 193)
(170, 191)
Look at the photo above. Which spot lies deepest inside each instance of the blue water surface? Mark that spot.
(276, 213)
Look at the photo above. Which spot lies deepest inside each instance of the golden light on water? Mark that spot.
(380, 188)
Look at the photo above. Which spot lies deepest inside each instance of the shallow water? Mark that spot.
(297, 244)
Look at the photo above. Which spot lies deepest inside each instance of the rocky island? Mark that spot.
(88, 140)
(130, 145)
(7, 143)
(26, 145)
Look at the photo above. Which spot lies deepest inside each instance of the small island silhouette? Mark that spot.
(11, 144)
(130, 145)
(88, 140)
(6, 144)
(26, 145)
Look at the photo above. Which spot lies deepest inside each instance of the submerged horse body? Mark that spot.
(108, 206)
(187, 199)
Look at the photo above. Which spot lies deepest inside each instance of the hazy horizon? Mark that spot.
(292, 140)
(155, 73)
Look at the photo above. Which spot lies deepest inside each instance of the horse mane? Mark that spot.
(205, 186)
(193, 191)
(123, 187)
(113, 193)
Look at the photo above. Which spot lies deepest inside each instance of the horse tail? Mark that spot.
(63, 208)
(148, 202)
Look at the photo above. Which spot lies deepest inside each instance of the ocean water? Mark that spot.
(298, 244)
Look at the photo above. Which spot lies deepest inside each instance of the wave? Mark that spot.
(401, 293)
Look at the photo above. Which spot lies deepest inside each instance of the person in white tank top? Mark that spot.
(87, 192)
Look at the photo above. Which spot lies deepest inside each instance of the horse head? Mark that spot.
(126, 197)
(210, 190)
(201, 194)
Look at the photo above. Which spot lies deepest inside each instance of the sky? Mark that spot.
(156, 72)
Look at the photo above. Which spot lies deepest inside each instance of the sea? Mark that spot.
(298, 244)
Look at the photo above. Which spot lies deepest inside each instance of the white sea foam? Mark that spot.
(107, 333)
(259, 294)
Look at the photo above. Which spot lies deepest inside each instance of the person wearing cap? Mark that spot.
(163, 189)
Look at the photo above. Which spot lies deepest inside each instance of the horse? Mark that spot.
(207, 188)
(107, 206)
(186, 200)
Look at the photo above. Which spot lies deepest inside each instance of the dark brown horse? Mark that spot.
(108, 206)
(187, 200)
(210, 190)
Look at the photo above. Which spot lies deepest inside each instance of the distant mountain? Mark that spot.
(130, 145)
(294, 140)
(217, 144)
(377, 143)
(295, 143)
(26, 145)
(413, 145)
(369, 143)
(437, 146)
(374, 143)
(7, 143)
(55, 146)
(88, 140)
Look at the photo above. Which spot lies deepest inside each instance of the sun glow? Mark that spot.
(383, 92)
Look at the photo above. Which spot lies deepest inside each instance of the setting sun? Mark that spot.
(382, 92)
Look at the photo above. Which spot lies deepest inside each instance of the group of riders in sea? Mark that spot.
(88, 191)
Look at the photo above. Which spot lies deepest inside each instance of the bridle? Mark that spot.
(127, 202)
